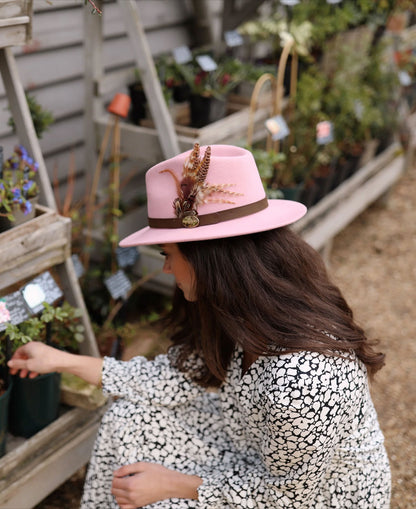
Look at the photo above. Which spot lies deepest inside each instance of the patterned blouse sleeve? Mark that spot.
(142, 380)
(302, 423)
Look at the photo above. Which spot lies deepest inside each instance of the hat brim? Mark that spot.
(278, 213)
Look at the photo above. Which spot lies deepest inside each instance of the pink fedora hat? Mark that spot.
(209, 193)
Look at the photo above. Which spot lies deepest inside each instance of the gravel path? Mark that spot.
(373, 262)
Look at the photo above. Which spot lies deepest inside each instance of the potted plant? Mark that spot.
(18, 189)
(209, 89)
(34, 403)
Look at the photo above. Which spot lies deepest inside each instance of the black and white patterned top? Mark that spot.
(296, 431)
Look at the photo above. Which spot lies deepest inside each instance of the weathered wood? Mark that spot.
(335, 211)
(23, 120)
(27, 249)
(150, 80)
(32, 470)
(140, 142)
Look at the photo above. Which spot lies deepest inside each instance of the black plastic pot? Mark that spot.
(205, 110)
(138, 103)
(4, 413)
(34, 403)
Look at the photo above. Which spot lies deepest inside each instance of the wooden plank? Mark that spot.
(353, 204)
(68, 23)
(23, 121)
(44, 461)
(350, 185)
(26, 248)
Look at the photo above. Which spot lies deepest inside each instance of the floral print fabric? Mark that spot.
(295, 431)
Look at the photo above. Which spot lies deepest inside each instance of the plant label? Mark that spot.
(324, 132)
(79, 268)
(42, 288)
(233, 39)
(118, 285)
(126, 256)
(404, 78)
(277, 127)
(182, 54)
(206, 63)
(290, 3)
(13, 309)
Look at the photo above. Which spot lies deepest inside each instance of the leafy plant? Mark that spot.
(41, 118)
(217, 83)
(60, 326)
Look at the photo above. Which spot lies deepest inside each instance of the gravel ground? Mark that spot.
(373, 262)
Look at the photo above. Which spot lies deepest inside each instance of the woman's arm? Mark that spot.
(34, 358)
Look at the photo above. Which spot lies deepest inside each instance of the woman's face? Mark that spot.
(178, 265)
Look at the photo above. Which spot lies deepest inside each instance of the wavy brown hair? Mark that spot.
(267, 292)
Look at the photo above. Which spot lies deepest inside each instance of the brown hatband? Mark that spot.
(193, 221)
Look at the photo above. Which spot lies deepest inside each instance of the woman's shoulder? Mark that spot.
(311, 368)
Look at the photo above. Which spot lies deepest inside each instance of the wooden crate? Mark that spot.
(15, 22)
(34, 246)
(142, 142)
(33, 468)
(336, 210)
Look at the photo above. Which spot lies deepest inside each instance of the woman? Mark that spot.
(263, 399)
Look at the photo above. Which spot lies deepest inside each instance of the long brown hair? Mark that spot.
(268, 292)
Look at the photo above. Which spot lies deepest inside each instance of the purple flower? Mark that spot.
(27, 185)
(28, 208)
(16, 193)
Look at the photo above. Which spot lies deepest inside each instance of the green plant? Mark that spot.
(217, 83)
(60, 326)
(41, 118)
(18, 183)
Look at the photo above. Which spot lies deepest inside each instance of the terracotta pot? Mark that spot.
(120, 105)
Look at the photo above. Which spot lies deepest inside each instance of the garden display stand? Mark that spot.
(33, 468)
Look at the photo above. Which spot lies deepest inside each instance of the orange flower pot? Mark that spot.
(120, 105)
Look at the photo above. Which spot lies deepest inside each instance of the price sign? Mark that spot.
(126, 256)
(324, 132)
(277, 127)
(13, 309)
(233, 39)
(118, 285)
(182, 54)
(41, 289)
(79, 268)
(206, 63)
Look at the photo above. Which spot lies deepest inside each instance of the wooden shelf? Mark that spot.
(17, 29)
(142, 141)
(36, 466)
(336, 210)
(34, 246)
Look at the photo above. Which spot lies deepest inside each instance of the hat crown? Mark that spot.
(232, 180)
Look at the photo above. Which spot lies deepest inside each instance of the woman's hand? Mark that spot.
(34, 358)
(140, 484)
